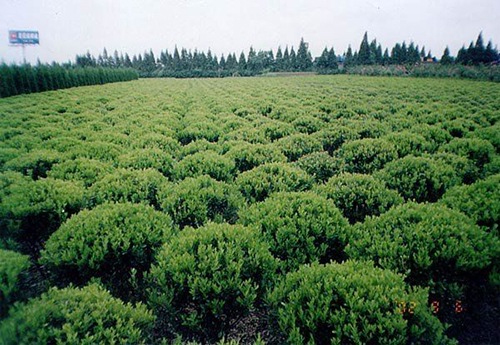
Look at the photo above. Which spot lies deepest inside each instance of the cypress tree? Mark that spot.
(364, 54)
(349, 58)
(332, 59)
(446, 58)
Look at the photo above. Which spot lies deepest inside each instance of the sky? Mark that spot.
(70, 27)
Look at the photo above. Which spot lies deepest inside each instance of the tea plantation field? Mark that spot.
(286, 210)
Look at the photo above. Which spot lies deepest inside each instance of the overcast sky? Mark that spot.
(69, 27)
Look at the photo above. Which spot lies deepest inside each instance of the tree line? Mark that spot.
(187, 63)
(15, 80)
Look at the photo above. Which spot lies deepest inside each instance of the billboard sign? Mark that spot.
(23, 37)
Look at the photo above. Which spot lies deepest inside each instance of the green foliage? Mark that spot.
(419, 178)
(150, 158)
(297, 145)
(248, 156)
(108, 242)
(123, 185)
(199, 130)
(205, 278)
(358, 196)
(480, 201)
(196, 200)
(34, 164)
(32, 210)
(408, 143)
(208, 163)
(85, 170)
(301, 227)
(352, 303)
(13, 272)
(320, 165)
(334, 136)
(77, 316)
(479, 151)
(431, 244)
(367, 155)
(258, 183)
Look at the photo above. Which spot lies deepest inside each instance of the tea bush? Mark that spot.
(419, 178)
(208, 163)
(204, 278)
(34, 164)
(320, 165)
(352, 303)
(431, 244)
(408, 143)
(124, 185)
(199, 130)
(85, 170)
(298, 145)
(13, 272)
(367, 155)
(89, 315)
(33, 210)
(478, 151)
(248, 156)
(258, 183)
(301, 227)
(480, 201)
(196, 200)
(153, 158)
(334, 136)
(107, 242)
(358, 196)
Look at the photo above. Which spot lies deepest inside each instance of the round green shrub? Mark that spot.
(273, 130)
(490, 133)
(158, 141)
(199, 130)
(419, 178)
(205, 278)
(32, 210)
(258, 183)
(98, 150)
(367, 155)
(463, 167)
(307, 124)
(124, 185)
(358, 196)
(431, 244)
(85, 170)
(196, 146)
(459, 128)
(352, 303)
(34, 164)
(13, 272)
(334, 136)
(301, 227)
(434, 135)
(298, 145)
(208, 163)
(479, 151)
(196, 200)
(107, 242)
(153, 158)
(77, 316)
(408, 143)
(320, 165)
(248, 156)
(480, 201)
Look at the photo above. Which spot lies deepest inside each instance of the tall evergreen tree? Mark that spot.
(364, 54)
(446, 58)
(304, 59)
(349, 58)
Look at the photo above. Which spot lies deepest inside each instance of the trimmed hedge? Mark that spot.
(358, 196)
(352, 303)
(32, 210)
(301, 227)
(479, 151)
(297, 145)
(431, 244)
(85, 170)
(153, 158)
(108, 242)
(248, 156)
(258, 183)
(408, 143)
(419, 178)
(320, 165)
(34, 164)
(89, 315)
(196, 200)
(199, 130)
(208, 163)
(334, 136)
(367, 155)
(13, 272)
(124, 185)
(480, 201)
(205, 278)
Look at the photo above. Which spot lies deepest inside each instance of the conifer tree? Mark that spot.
(446, 58)
(364, 54)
